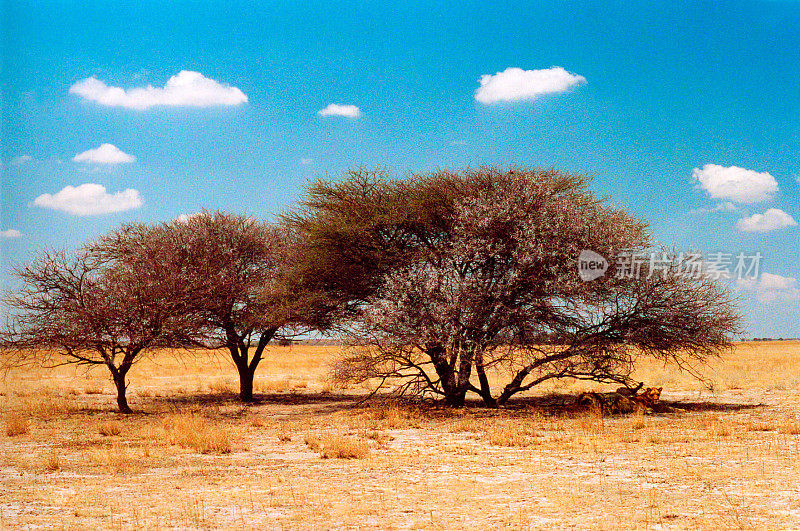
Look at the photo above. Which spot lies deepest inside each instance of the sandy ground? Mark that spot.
(701, 460)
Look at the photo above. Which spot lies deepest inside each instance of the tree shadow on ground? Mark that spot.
(561, 404)
(707, 406)
(319, 402)
(309, 404)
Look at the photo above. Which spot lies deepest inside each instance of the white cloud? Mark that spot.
(10, 233)
(771, 288)
(772, 219)
(305, 161)
(21, 159)
(726, 206)
(90, 199)
(105, 154)
(735, 183)
(188, 88)
(334, 109)
(514, 84)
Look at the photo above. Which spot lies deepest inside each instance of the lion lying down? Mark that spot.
(621, 401)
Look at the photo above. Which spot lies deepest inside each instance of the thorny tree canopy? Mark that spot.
(443, 276)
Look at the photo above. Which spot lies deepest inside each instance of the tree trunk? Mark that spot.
(247, 367)
(465, 361)
(246, 376)
(453, 396)
(486, 390)
(119, 383)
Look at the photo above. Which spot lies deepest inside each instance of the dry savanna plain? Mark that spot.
(308, 455)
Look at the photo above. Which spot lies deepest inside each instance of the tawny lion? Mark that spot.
(649, 396)
(618, 401)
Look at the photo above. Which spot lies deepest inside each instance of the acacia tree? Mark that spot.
(354, 231)
(480, 280)
(231, 269)
(79, 308)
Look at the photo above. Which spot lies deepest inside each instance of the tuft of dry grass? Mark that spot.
(16, 425)
(223, 386)
(762, 425)
(93, 389)
(637, 421)
(332, 446)
(284, 432)
(467, 424)
(593, 421)
(381, 439)
(112, 428)
(52, 462)
(513, 432)
(116, 456)
(313, 442)
(714, 426)
(40, 404)
(791, 427)
(392, 414)
(271, 386)
(193, 431)
(259, 422)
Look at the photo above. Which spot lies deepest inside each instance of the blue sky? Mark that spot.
(686, 113)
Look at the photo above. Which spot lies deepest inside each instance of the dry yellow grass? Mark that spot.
(193, 457)
(333, 446)
(52, 462)
(193, 431)
(111, 428)
(116, 456)
(16, 425)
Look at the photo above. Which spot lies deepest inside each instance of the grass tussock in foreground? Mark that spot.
(307, 456)
(16, 425)
(332, 446)
(195, 432)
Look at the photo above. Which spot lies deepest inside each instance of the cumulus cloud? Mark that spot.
(105, 154)
(726, 206)
(772, 219)
(10, 233)
(514, 84)
(21, 159)
(90, 199)
(735, 183)
(771, 288)
(189, 89)
(334, 109)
